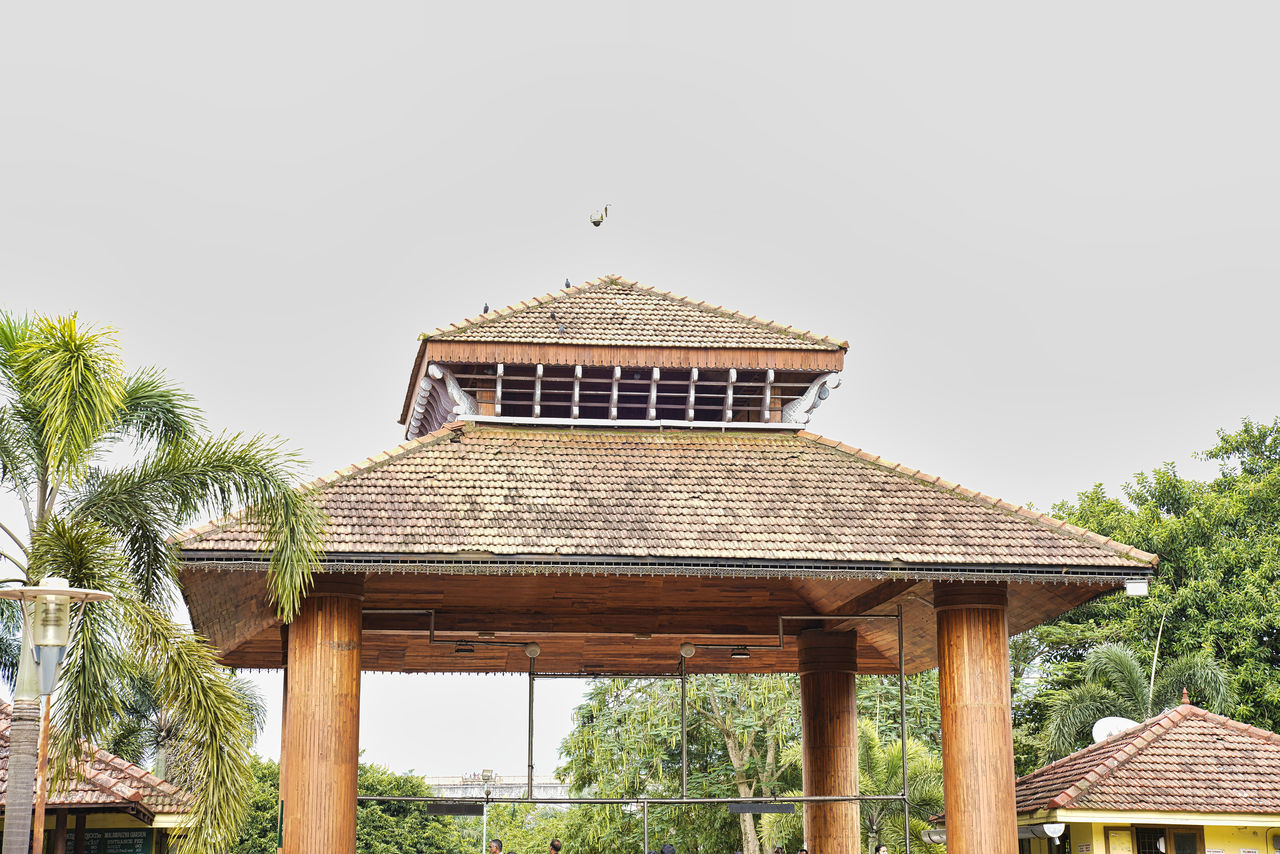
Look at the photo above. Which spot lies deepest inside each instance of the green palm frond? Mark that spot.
(1115, 666)
(156, 411)
(217, 730)
(75, 376)
(1074, 711)
(145, 503)
(1205, 679)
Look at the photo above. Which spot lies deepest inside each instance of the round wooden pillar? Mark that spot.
(977, 724)
(322, 719)
(829, 731)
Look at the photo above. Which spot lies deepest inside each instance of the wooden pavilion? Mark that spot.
(607, 473)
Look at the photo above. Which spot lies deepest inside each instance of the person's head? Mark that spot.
(668, 849)
(495, 846)
(555, 846)
(777, 849)
(882, 849)
(803, 851)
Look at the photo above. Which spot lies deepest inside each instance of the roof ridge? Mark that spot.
(613, 279)
(1044, 519)
(336, 476)
(1153, 729)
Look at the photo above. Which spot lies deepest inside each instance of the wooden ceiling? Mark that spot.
(604, 623)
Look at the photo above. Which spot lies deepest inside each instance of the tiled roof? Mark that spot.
(752, 495)
(105, 780)
(1186, 759)
(615, 312)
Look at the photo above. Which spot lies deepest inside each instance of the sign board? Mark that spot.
(451, 807)
(1214, 851)
(111, 841)
(759, 808)
(1087, 848)
(1119, 842)
(1248, 851)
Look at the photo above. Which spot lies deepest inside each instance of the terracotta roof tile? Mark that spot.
(612, 311)
(105, 780)
(755, 495)
(1186, 759)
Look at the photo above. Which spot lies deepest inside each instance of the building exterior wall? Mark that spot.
(1216, 834)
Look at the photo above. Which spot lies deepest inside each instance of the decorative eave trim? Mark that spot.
(477, 564)
(1082, 534)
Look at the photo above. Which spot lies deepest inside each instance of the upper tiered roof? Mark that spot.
(613, 351)
(614, 312)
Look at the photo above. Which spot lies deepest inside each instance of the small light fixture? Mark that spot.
(463, 648)
(486, 635)
(51, 622)
(1136, 587)
(532, 650)
(644, 636)
(739, 652)
(687, 650)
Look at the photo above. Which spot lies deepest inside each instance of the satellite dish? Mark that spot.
(1108, 727)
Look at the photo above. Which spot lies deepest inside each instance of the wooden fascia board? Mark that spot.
(415, 377)
(1156, 817)
(490, 352)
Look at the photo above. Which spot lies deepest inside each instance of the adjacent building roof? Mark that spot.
(667, 494)
(1186, 760)
(105, 781)
(614, 312)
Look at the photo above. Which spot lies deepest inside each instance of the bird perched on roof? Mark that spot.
(486, 309)
(567, 285)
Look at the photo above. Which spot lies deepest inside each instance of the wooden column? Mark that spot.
(82, 821)
(829, 731)
(977, 725)
(322, 719)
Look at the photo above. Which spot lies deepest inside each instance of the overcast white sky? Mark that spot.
(1049, 231)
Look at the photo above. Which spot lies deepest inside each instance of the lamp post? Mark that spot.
(46, 620)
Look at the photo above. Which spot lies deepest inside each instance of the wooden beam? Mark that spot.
(613, 393)
(727, 415)
(873, 598)
(767, 394)
(651, 412)
(497, 393)
(742, 358)
(690, 400)
(577, 386)
(537, 391)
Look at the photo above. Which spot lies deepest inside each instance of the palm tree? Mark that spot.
(879, 773)
(1116, 683)
(66, 402)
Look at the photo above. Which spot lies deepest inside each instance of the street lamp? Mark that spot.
(46, 620)
(50, 626)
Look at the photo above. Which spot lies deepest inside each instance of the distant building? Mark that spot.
(1184, 782)
(113, 807)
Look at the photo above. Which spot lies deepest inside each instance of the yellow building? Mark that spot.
(1184, 782)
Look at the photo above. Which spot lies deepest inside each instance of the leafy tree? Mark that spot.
(879, 773)
(626, 743)
(1214, 593)
(382, 827)
(102, 520)
(1117, 683)
(147, 732)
